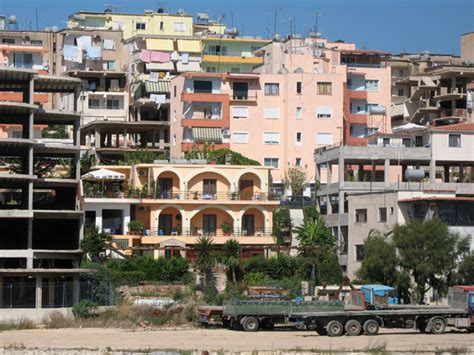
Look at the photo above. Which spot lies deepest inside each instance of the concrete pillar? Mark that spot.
(341, 202)
(318, 172)
(97, 138)
(75, 289)
(39, 292)
(432, 171)
(341, 170)
(461, 172)
(386, 172)
(51, 292)
(124, 144)
(29, 259)
(153, 138)
(1, 291)
(237, 226)
(329, 172)
(446, 173)
(328, 204)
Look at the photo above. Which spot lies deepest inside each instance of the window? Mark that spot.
(371, 85)
(298, 87)
(324, 138)
(140, 25)
(36, 42)
(271, 113)
(299, 113)
(401, 92)
(174, 91)
(240, 137)
(271, 137)
(406, 142)
(239, 112)
(324, 112)
(383, 214)
(162, 26)
(216, 50)
(273, 162)
(209, 186)
(418, 141)
(113, 104)
(17, 134)
(298, 162)
(324, 88)
(8, 40)
(455, 140)
(359, 252)
(235, 70)
(94, 103)
(299, 137)
(201, 86)
(22, 60)
(210, 69)
(361, 215)
(109, 65)
(272, 89)
(386, 142)
(179, 27)
(240, 91)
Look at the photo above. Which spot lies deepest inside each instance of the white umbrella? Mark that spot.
(409, 127)
(103, 174)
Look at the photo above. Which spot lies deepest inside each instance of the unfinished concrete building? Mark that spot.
(40, 214)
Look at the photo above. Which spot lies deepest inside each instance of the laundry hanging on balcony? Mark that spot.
(94, 53)
(204, 134)
(72, 53)
(84, 42)
(160, 57)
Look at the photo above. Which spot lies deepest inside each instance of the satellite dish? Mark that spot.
(12, 19)
(276, 37)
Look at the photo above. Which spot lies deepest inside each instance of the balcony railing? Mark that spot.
(187, 195)
(243, 54)
(217, 232)
(365, 65)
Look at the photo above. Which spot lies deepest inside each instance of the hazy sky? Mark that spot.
(391, 25)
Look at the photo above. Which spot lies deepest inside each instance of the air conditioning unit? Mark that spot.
(226, 132)
(142, 172)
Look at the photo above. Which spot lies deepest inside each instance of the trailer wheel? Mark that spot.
(250, 324)
(234, 324)
(421, 325)
(371, 327)
(436, 325)
(267, 324)
(321, 330)
(334, 328)
(353, 327)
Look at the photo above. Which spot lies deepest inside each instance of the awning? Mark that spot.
(103, 174)
(207, 134)
(156, 44)
(159, 66)
(409, 127)
(186, 45)
(157, 87)
(191, 66)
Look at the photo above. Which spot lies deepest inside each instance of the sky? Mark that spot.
(392, 25)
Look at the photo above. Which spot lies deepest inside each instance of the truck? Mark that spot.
(335, 318)
(379, 296)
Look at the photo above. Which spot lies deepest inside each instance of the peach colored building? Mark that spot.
(296, 101)
(177, 203)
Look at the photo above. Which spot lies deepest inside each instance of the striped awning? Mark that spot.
(157, 87)
(207, 134)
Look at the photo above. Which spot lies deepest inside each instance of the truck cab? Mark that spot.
(379, 296)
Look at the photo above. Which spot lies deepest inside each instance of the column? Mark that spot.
(341, 202)
(51, 292)
(1, 291)
(29, 259)
(432, 171)
(124, 144)
(386, 172)
(75, 289)
(237, 226)
(153, 138)
(328, 204)
(461, 172)
(329, 172)
(39, 292)
(340, 163)
(318, 172)
(97, 138)
(446, 173)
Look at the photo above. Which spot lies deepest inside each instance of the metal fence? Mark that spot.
(54, 294)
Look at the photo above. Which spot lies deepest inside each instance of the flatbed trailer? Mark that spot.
(429, 319)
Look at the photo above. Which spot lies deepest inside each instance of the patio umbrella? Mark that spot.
(103, 174)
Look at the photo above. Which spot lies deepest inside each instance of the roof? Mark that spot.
(458, 127)
(415, 199)
(363, 51)
(378, 287)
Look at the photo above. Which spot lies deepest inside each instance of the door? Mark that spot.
(248, 224)
(209, 224)
(209, 189)
(112, 221)
(166, 187)
(165, 224)
(246, 189)
(418, 141)
(241, 91)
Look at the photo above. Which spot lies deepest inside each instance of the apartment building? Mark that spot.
(39, 180)
(407, 170)
(178, 202)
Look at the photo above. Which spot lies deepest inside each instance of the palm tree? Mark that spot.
(231, 257)
(206, 258)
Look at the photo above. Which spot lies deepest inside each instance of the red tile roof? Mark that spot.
(458, 127)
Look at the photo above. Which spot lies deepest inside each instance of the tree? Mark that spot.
(231, 257)
(380, 260)
(282, 224)
(55, 131)
(87, 162)
(429, 252)
(140, 156)
(295, 178)
(466, 270)
(95, 243)
(206, 259)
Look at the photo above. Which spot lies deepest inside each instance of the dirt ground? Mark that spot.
(228, 340)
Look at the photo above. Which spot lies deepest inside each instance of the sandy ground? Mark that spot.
(228, 340)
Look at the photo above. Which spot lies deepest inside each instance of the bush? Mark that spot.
(212, 297)
(135, 226)
(178, 295)
(274, 268)
(256, 279)
(56, 320)
(84, 309)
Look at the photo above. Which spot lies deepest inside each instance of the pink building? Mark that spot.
(291, 104)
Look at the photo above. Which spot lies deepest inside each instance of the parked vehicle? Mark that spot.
(379, 296)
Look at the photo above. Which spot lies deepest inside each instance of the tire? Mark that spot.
(250, 324)
(353, 327)
(371, 327)
(421, 325)
(234, 324)
(321, 330)
(437, 325)
(267, 324)
(334, 328)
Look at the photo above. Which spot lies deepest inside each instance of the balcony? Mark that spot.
(357, 118)
(232, 57)
(188, 145)
(204, 97)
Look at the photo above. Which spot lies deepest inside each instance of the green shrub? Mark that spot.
(84, 309)
(256, 279)
(178, 295)
(135, 226)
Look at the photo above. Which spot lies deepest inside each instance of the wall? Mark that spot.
(467, 46)
(442, 151)
(97, 207)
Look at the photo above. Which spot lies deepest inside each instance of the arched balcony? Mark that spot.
(209, 186)
(250, 186)
(253, 222)
(168, 185)
(170, 221)
(212, 221)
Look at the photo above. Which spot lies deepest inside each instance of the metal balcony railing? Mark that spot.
(186, 195)
(213, 232)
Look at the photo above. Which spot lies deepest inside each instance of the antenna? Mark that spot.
(36, 13)
(275, 22)
(112, 8)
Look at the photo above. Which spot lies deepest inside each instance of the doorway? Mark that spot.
(248, 224)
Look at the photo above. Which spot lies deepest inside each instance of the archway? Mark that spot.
(253, 222)
(250, 186)
(168, 183)
(209, 185)
(170, 221)
(212, 221)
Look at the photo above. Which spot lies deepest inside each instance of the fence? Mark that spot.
(54, 294)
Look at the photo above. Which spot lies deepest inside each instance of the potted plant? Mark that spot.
(196, 193)
(234, 195)
(135, 227)
(227, 228)
(88, 188)
(117, 191)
